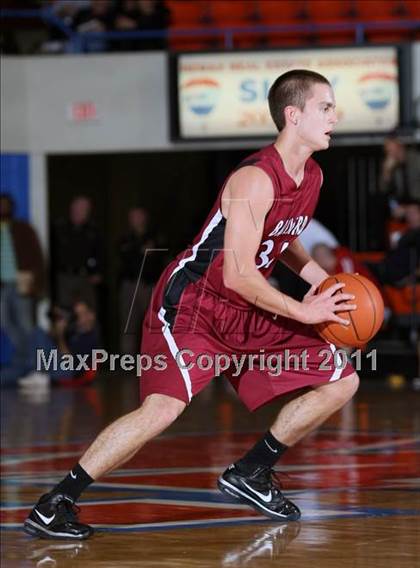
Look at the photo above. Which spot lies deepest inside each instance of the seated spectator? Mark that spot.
(287, 281)
(65, 11)
(141, 15)
(339, 259)
(403, 263)
(399, 180)
(96, 18)
(400, 173)
(315, 233)
(73, 332)
(8, 43)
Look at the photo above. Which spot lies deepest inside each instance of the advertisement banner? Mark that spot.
(225, 94)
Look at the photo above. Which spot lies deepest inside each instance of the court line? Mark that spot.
(215, 501)
(299, 494)
(386, 445)
(170, 525)
(18, 460)
(36, 481)
(208, 523)
(121, 501)
(212, 469)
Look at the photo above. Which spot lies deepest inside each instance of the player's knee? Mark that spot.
(347, 387)
(163, 409)
(354, 382)
(338, 393)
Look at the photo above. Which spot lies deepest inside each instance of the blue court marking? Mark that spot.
(413, 447)
(311, 504)
(356, 432)
(153, 527)
(238, 522)
(210, 496)
(216, 497)
(195, 494)
(158, 494)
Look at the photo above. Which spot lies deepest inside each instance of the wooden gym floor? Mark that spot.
(356, 481)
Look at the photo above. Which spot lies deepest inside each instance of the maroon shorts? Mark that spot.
(184, 345)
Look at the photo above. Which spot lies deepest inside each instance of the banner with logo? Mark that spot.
(225, 95)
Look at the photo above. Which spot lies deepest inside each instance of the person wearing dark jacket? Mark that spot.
(403, 263)
(77, 256)
(136, 277)
(141, 15)
(22, 275)
(96, 18)
(400, 171)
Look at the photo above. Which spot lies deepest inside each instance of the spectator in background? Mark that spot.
(65, 11)
(399, 180)
(96, 18)
(404, 261)
(283, 278)
(141, 15)
(400, 173)
(316, 233)
(339, 259)
(8, 43)
(139, 269)
(73, 332)
(77, 252)
(22, 274)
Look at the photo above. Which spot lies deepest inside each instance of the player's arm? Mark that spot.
(299, 260)
(247, 200)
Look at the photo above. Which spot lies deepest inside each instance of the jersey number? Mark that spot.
(264, 260)
(263, 256)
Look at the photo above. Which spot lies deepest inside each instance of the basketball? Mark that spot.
(365, 320)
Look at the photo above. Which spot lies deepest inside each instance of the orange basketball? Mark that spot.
(365, 320)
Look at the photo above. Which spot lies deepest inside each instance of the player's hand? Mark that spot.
(319, 308)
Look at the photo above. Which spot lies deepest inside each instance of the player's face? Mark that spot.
(318, 118)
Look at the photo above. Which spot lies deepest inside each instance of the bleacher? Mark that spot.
(286, 23)
(218, 24)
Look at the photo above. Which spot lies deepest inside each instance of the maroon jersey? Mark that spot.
(193, 314)
(291, 211)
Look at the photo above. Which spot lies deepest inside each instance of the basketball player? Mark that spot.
(215, 299)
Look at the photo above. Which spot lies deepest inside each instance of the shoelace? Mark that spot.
(70, 510)
(276, 476)
(273, 479)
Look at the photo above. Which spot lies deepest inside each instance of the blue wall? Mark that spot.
(14, 179)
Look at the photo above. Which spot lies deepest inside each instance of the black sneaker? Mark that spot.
(258, 490)
(55, 516)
